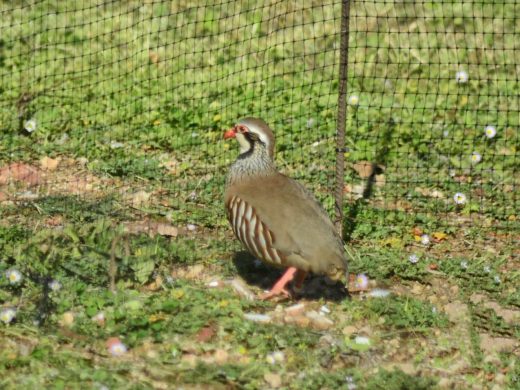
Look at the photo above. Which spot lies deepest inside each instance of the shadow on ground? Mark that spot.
(264, 277)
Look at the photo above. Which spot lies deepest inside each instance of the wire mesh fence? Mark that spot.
(118, 267)
(438, 110)
(115, 110)
(125, 102)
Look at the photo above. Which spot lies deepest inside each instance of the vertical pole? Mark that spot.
(342, 115)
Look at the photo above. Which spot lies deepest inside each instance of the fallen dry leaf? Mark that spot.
(430, 192)
(49, 164)
(154, 57)
(205, 334)
(172, 166)
(439, 236)
(273, 380)
(155, 285)
(366, 169)
(380, 180)
(417, 231)
(55, 220)
(140, 197)
(221, 356)
(20, 172)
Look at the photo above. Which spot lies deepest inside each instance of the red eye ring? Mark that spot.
(241, 129)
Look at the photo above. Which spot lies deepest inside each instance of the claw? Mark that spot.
(279, 287)
(275, 293)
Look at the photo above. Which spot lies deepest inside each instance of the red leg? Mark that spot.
(279, 286)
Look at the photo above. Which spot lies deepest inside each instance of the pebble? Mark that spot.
(394, 343)
(328, 340)
(348, 330)
(221, 356)
(213, 283)
(273, 380)
(256, 317)
(417, 288)
(362, 340)
(379, 293)
(324, 310)
(319, 321)
(67, 319)
(299, 320)
(297, 309)
(242, 290)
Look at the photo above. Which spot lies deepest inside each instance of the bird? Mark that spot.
(276, 218)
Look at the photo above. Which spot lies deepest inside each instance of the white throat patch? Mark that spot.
(243, 142)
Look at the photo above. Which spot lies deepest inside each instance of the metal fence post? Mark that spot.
(342, 115)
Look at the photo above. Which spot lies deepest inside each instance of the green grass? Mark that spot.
(143, 91)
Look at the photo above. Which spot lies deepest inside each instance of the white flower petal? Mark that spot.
(362, 340)
(459, 198)
(461, 77)
(353, 100)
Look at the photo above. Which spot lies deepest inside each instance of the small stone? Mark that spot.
(242, 290)
(194, 271)
(298, 320)
(394, 343)
(417, 288)
(67, 319)
(348, 330)
(362, 340)
(318, 321)
(500, 378)
(297, 309)
(214, 283)
(99, 318)
(324, 310)
(221, 356)
(256, 317)
(273, 380)
(327, 340)
(379, 293)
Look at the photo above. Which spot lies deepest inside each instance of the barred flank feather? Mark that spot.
(252, 232)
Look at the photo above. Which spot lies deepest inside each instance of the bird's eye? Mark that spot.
(241, 129)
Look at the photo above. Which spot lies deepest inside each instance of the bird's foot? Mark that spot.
(280, 294)
(279, 288)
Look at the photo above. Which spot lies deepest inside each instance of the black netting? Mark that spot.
(137, 95)
(439, 110)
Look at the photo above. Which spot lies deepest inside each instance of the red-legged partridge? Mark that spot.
(276, 218)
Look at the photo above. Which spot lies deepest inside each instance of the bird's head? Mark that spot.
(251, 132)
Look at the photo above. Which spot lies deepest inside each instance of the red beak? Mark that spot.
(230, 133)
